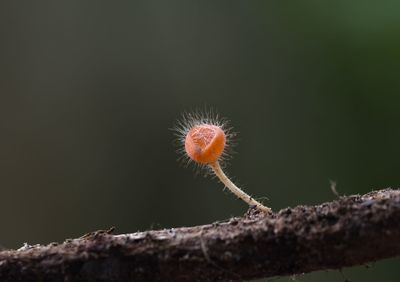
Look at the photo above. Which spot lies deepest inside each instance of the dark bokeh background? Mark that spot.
(88, 92)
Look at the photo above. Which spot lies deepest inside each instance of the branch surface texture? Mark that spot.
(349, 231)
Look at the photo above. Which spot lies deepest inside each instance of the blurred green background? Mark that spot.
(89, 90)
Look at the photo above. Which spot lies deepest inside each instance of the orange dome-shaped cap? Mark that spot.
(205, 143)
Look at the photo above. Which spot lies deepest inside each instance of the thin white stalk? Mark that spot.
(236, 190)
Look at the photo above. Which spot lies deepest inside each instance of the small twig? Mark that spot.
(333, 188)
(352, 230)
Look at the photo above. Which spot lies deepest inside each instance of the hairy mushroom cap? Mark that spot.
(205, 143)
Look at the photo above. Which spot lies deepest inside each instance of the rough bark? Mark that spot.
(350, 231)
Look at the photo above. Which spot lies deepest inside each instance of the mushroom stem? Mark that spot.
(236, 190)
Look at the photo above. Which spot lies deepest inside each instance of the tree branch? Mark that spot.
(350, 231)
